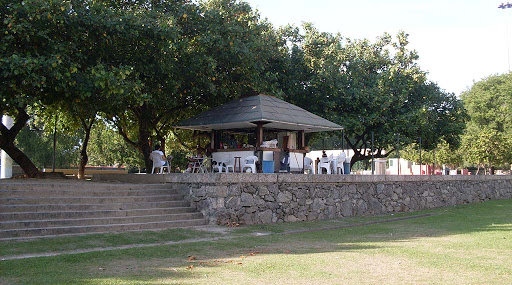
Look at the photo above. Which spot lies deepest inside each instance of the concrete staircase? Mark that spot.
(32, 209)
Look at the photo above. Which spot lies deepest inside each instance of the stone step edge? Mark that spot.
(4, 191)
(102, 204)
(102, 226)
(29, 186)
(64, 212)
(7, 184)
(87, 197)
(94, 233)
(93, 207)
(80, 188)
(88, 204)
(73, 193)
(96, 219)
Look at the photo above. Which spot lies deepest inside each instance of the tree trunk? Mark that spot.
(144, 131)
(491, 170)
(84, 158)
(161, 140)
(355, 158)
(144, 135)
(22, 160)
(7, 137)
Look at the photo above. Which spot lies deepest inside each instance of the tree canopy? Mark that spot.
(141, 66)
(488, 136)
(369, 87)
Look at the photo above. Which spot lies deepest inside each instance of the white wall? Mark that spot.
(6, 160)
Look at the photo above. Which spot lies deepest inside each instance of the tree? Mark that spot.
(487, 147)
(371, 88)
(443, 153)
(49, 58)
(37, 143)
(107, 147)
(488, 138)
(207, 55)
(144, 64)
(34, 65)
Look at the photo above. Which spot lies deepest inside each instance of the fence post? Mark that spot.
(373, 162)
(398, 151)
(420, 156)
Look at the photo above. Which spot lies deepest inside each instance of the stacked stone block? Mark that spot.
(263, 202)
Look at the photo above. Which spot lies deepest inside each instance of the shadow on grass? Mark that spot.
(149, 265)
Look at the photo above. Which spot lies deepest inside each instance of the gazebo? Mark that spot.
(273, 128)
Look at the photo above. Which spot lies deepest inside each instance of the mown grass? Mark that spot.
(57, 244)
(469, 244)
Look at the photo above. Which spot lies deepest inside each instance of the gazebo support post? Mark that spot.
(259, 142)
(302, 145)
(212, 140)
(302, 141)
(259, 134)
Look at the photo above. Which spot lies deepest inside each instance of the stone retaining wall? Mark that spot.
(270, 198)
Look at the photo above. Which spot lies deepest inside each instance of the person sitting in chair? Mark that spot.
(164, 159)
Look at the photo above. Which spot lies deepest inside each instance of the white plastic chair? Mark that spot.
(250, 163)
(203, 166)
(195, 166)
(220, 165)
(158, 162)
(308, 165)
(230, 163)
(340, 161)
(325, 162)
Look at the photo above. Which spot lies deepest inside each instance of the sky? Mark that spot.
(458, 42)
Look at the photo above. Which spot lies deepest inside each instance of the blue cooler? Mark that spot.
(346, 167)
(268, 166)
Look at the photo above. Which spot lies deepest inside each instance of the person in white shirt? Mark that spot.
(157, 150)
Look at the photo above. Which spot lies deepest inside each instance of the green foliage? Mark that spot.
(145, 65)
(38, 146)
(200, 56)
(369, 87)
(48, 60)
(443, 153)
(488, 138)
(107, 147)
(487, 147)
(34, 63)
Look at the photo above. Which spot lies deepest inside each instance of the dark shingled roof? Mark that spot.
(244, 113)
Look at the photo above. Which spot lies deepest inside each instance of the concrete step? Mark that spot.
(35, 208)
(39, 232)
(79, 186)
(90, 207)
(87, 200)
(22, 216)
(88, 193)
(98, 221)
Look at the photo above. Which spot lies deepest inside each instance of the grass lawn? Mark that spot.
(469, 244)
